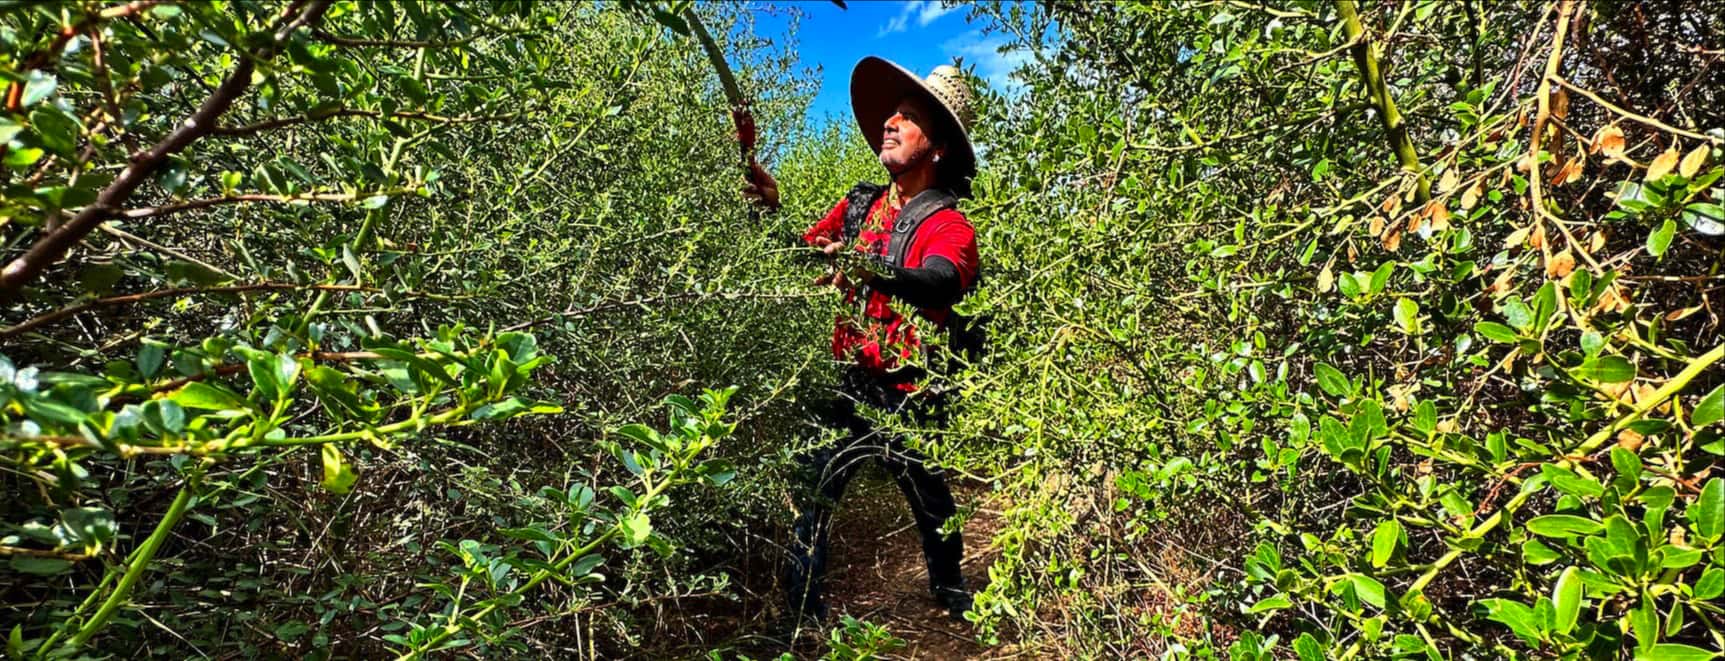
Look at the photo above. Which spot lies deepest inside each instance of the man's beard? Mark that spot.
(907, 164)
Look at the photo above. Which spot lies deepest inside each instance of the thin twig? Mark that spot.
(1629, 115)
(133, 238)
(68, 311)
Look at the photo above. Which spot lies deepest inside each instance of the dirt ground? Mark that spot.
(877, 572)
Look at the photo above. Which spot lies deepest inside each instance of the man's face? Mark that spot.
(905, 142)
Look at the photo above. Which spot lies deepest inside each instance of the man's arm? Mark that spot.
(936, 285)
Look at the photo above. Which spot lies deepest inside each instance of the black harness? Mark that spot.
(861, 199)
(968, 335)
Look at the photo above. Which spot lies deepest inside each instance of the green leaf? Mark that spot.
(1705, 217)
(292, 630)
(200, 395)
(93, 526)
(57, 131)
(1308, 648)
(9, 129)
(338, 475)
(1384, 541)
(1563, 525)
(1496, 332)
(1273, 602)
(1606, 369)
(635, 529)
(1515, 615)
(1348, 285)
(1709, 410)
(1408, 315)
(420, 364)
(1628, 465)
(1544, 305)
(503, 410)
(1678, 558)
(1660, 240)
(1568, 482)
(1517, 314)
(644, 435)
(1381, 277)
(1535, 552)
(1707, 514)
(40, 85)
(150, 359)
(40, 566)
(1710, 585)
(1675, 652)
(1566, 596)
(23, 157)
(586, 564)
(1368, 589)
(1331, 380)
(1644, 622)
(261, 367)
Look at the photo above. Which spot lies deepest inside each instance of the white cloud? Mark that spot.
(992, 65)
(921, 11)
(931, 11)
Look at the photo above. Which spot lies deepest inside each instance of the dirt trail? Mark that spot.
(876, 570)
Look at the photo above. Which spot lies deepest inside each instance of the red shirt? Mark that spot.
(880, 338)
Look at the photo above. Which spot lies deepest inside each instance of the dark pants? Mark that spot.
(825, 471)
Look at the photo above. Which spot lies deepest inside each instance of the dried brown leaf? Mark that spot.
(1326, 278)
(1569, 173)
(1681, 314)
(1611, 300)
(1448, 181)
(1502, 283)
(1518, 237)
(1629, 439)
(1393, 240)
(1663, 164)
(1645, 392)
(1693, 162)
(1439, 215)
(1560, 264)
(1618, 391)
(1609, 140)
(1471, 196)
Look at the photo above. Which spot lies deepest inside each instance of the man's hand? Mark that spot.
(762, 189)
(838, 276)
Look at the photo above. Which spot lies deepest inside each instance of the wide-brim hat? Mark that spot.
(877, 85)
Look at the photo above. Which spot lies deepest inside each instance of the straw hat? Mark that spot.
(877, 86)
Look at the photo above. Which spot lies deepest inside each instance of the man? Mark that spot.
(922, 258)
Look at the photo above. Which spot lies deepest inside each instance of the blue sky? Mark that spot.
(919, 35)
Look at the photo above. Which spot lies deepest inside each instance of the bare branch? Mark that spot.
(328, 113)
(68, 311)
(359, 42)
(667, 298)
(166, 209)
(133, 238)
(40, 553)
